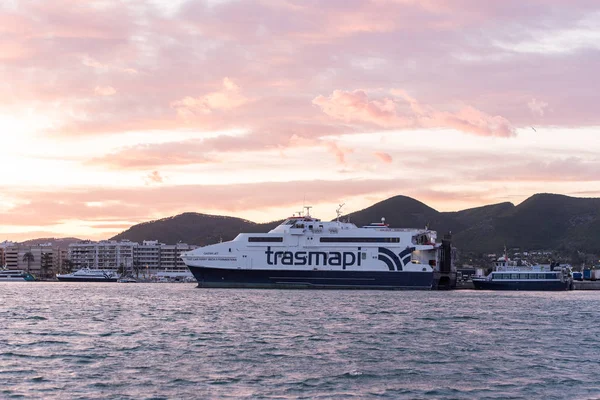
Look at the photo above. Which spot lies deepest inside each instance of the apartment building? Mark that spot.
(149, 257)
(106, 254)
(37, 259)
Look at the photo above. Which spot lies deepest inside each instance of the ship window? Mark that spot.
(363, 256)
(360, 240)
(514, 276)
(262, 239)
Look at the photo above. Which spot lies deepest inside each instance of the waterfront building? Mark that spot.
(148, 258)
(39, 263)
(106, 254)
(147, 255)
(152, 256)
(170, 257)
(3, 246)
(59, 258)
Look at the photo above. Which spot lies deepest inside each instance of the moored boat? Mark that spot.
(14, 275)
(508, 276)
(89, 275)
(305, 252)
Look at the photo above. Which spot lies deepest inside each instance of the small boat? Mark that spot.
(89, 275)
(15, 275)
(127, 279)
(509, 276)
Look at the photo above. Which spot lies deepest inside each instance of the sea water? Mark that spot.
(174, 341)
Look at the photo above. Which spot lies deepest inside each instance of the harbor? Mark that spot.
(301, 252)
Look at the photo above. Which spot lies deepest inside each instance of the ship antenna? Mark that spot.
(339, 211)
(308, 210)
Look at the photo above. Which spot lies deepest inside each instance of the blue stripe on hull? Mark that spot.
(539, 285)
(308, 279)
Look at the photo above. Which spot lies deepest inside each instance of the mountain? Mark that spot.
(62, 243)
(479, 234)
(553, 221)
(406, 212)
(543, 221)
(193, 228)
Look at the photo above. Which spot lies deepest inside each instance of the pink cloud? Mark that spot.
(537, 106)
(137, 204)
(463, 61)
(357, 107)
(392, 113)
(155, 177)
(228, 98)
(104, 90)
(385, 157)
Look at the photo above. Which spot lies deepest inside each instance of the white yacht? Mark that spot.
(507, 275)
(305, 252)
(89, 275)
(15, 275)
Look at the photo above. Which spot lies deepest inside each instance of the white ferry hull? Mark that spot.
(309, 279)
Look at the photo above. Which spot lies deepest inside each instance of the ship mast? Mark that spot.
(308, 211)
(339, 211)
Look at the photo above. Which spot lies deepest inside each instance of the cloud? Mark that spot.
(298, 75)
(228, 98)
(401, 111)
(145, 156)
(385, 157)
(356, 106)
(537, 107)
(154, 177)
(138, 204)
(104, 90)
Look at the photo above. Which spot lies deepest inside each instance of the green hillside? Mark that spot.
(544, 221)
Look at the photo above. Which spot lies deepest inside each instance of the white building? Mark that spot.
(106, 254)
(149, 257)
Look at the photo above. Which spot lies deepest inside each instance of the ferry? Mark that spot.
(14, 275)
(89, 275)
(508, 276)
(305, 252)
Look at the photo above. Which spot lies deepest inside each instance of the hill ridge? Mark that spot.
(543, 221)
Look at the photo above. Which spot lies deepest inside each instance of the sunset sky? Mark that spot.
(118, 112)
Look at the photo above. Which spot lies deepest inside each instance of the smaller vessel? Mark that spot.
(15, 275)
(127, 279)
(89, 275)
(509, 276)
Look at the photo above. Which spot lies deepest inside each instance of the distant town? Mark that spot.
(151, 257)
(45, 260)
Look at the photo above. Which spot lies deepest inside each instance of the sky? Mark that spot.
(115, 112)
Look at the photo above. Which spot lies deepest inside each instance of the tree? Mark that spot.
(28, 258)
(136, 269)
(68, 264)
(46, 264)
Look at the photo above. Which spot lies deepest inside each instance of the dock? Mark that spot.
(577, 285)
(586, 285)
